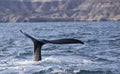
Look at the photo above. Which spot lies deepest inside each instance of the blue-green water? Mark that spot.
(99, 55)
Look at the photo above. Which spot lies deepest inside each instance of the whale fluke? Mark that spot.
(38, 43)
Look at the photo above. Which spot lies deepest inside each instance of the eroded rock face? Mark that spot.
(59, 10)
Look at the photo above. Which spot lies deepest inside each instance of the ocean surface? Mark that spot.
(99, 55)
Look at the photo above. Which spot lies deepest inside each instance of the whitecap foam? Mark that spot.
(24, 62)
(51, 60)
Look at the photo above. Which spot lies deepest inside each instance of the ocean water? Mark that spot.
(99, 55)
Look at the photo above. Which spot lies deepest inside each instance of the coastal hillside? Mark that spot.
(59, 10)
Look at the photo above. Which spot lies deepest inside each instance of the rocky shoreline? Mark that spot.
(59, 10)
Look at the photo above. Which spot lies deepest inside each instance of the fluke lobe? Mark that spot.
(38, 43)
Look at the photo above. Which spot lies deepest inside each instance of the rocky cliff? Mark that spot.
(59, 10)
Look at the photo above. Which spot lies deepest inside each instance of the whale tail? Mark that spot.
(38, 43)
(37, 46)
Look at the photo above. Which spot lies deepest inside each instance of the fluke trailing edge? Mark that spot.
(38, 43)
